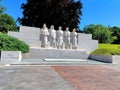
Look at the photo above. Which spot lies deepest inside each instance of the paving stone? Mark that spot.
(31, 78)
(90, 77)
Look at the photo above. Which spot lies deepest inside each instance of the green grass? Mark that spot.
(108, 49)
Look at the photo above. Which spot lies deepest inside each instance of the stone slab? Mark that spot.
(25, 29)
(85, 36)
(103, 58)
(115, 59)
(64, 60)
(84, 42)
(30, 35)
(11, 56)
(56, 54)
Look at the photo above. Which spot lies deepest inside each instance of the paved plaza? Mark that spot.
(31, 78)
(91, 77)
(62, 76)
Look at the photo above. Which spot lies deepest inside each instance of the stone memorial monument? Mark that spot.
(52, 44)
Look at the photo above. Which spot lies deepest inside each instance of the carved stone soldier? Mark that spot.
(74, 39)
(67, 38)
(52, 36)
(60, 38)
(44, 36)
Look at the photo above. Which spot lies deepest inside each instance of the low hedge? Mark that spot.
(9, 43)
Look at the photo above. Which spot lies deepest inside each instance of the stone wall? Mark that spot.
(115, 59)
(85, 42)
(56, 54)
(30, 35)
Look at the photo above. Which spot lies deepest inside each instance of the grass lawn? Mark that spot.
(108, 49)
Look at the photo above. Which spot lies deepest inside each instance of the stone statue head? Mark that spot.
(52, 27)
(67, 28)
(74, 30)
(44, 26)
(60, 28)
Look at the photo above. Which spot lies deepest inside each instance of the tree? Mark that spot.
(116, 32)
(6, 21)
(2, 8)
(65, 13)
(100, 32)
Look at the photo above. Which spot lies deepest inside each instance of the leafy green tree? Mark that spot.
(116, 32)
(65, 13)
(7, 23)
(2, 8)
(100, 32)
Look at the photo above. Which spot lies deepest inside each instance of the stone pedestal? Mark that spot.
(11, 57)
(56, 54)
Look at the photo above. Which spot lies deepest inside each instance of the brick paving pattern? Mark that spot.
(90, 77)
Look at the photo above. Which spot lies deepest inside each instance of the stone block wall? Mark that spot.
(85, 42)
(115, 59)
(56, 54)
(30, 35)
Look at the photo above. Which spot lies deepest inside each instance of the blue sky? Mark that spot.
(105, 12)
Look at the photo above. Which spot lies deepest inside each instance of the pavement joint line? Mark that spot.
(64, 78)
(31, 65)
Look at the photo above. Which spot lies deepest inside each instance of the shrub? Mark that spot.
(9, 43)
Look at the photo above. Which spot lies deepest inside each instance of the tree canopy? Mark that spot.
(7, 23)
(100, 32)
(116, 32)
(2, 8)
(65, 13)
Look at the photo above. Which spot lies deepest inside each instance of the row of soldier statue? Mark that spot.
(58, 39)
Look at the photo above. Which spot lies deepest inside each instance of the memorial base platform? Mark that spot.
(56, 53)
